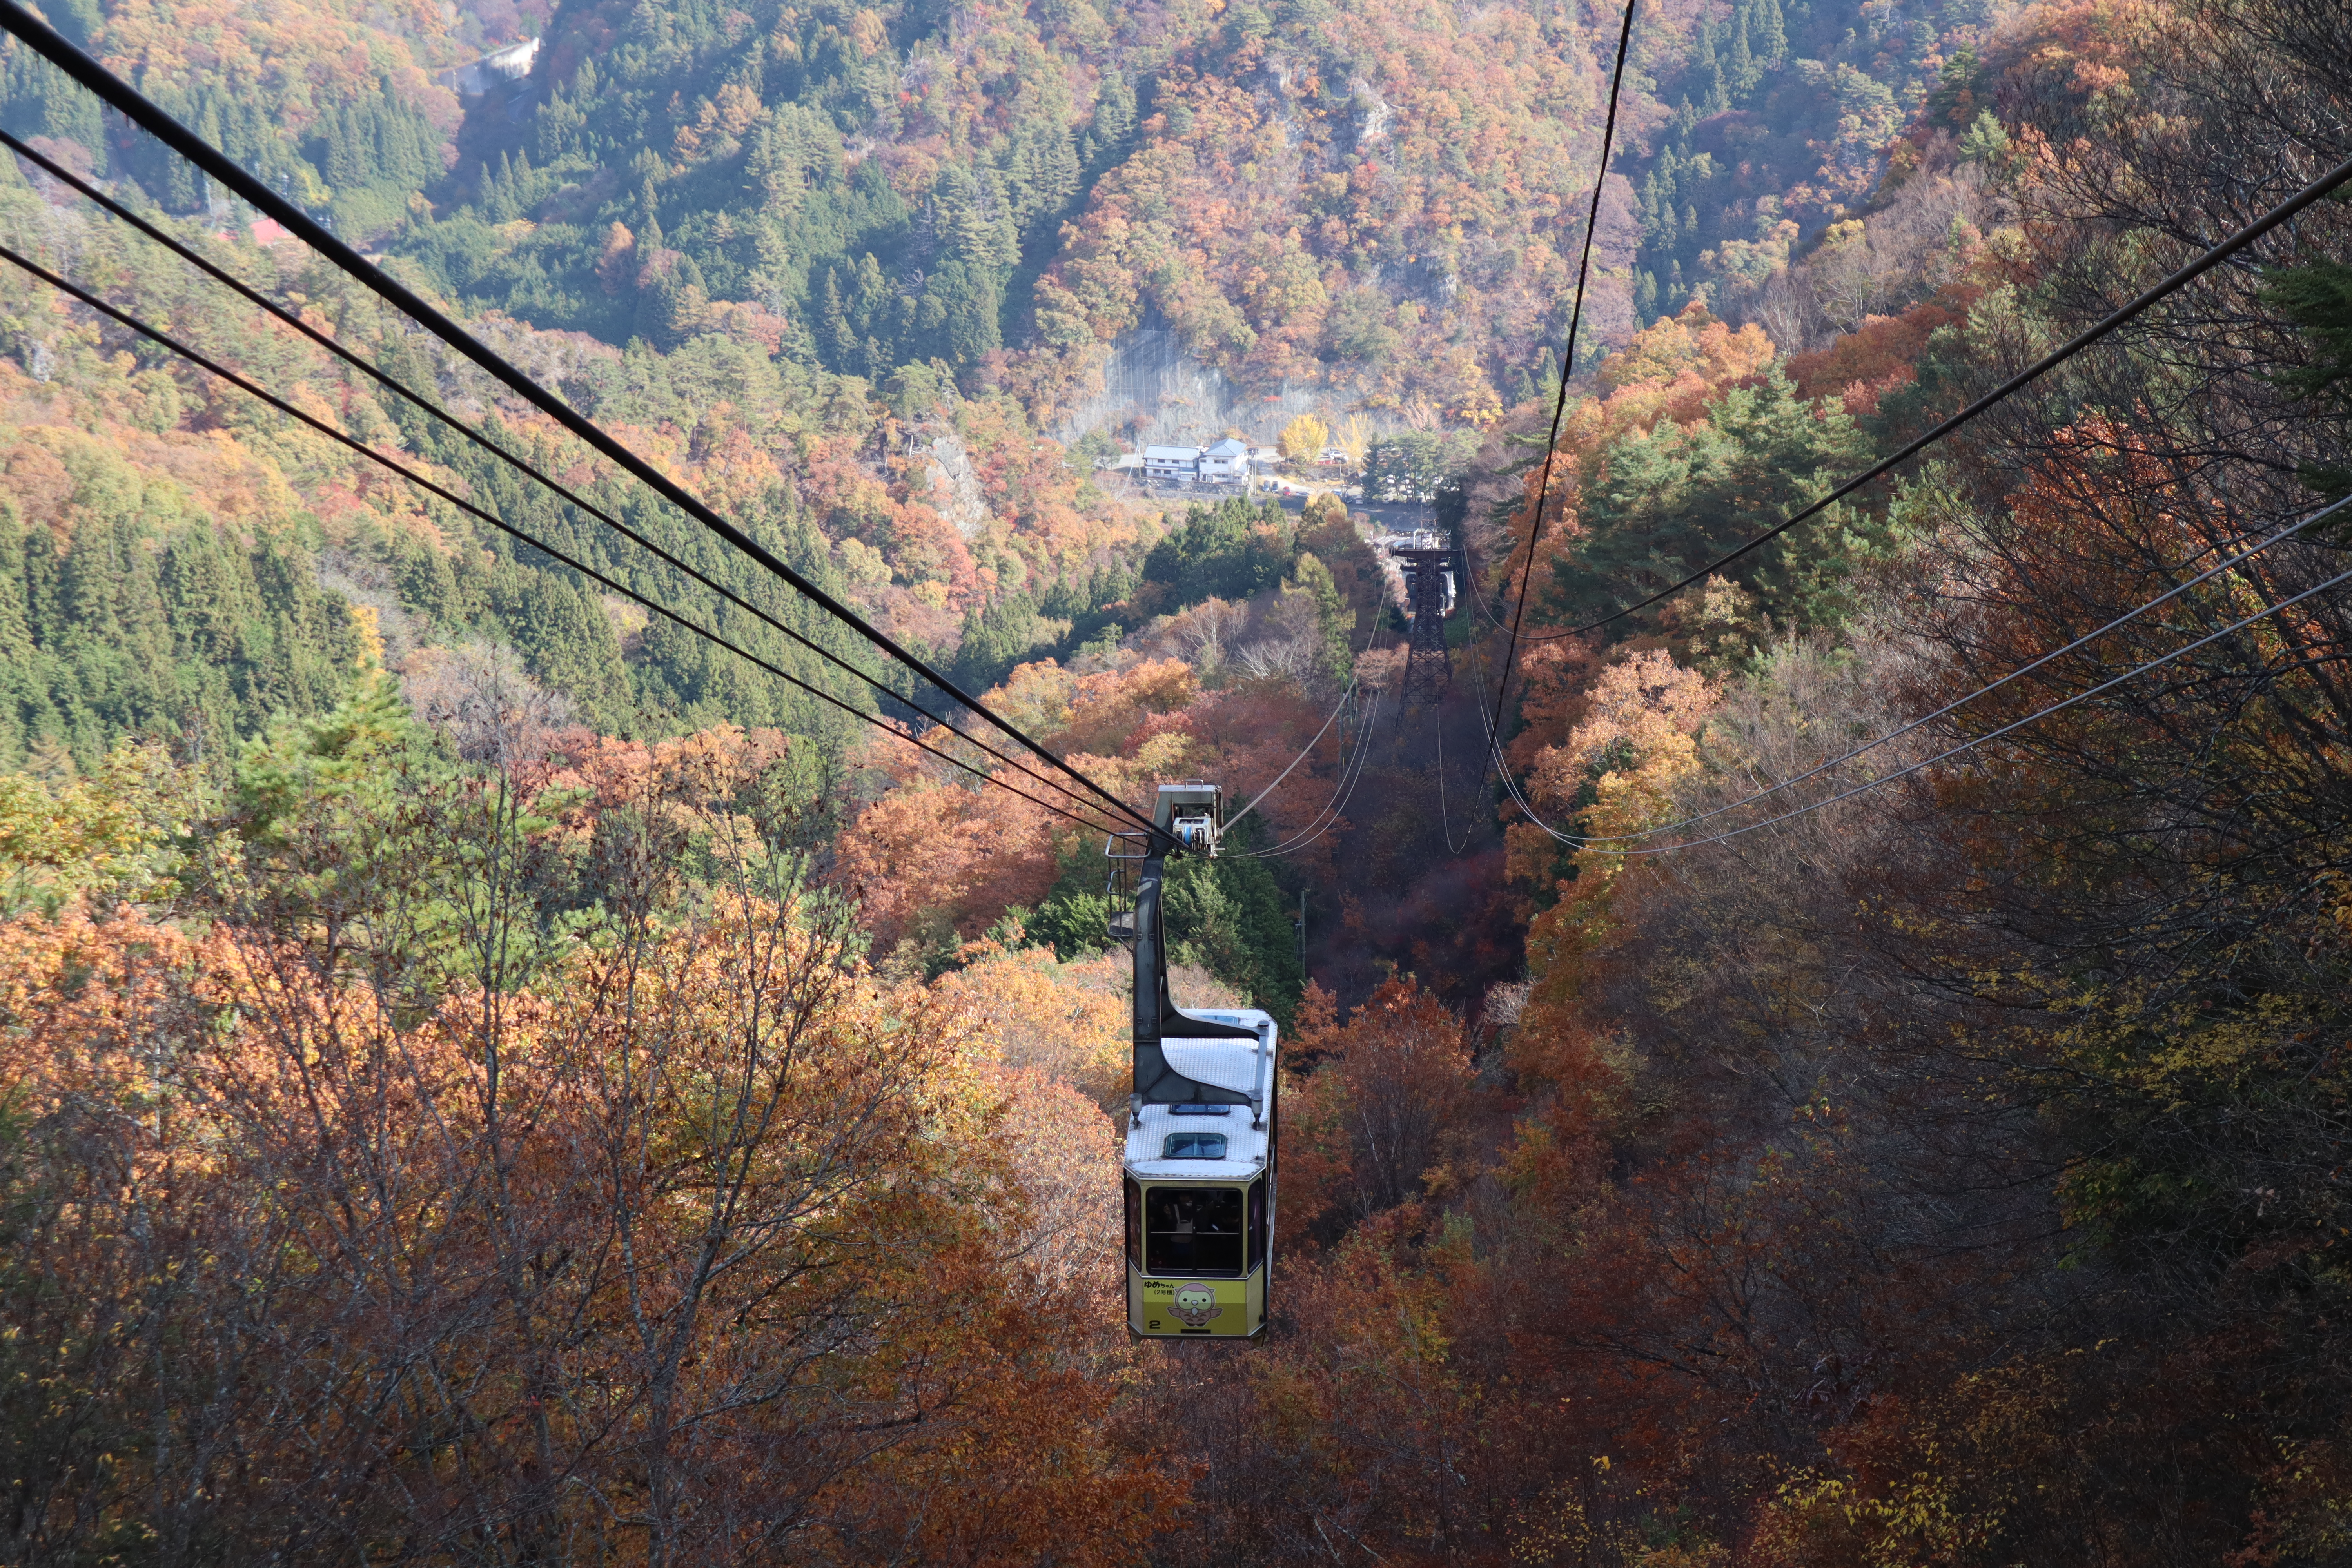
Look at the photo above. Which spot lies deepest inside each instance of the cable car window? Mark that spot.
(1194, 1146)
(1256, 1224)
(1134, 1223)
(1198, 1109)
(1192, 1230)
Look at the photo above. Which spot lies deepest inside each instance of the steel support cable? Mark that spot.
(474, 434)
(1343, 790)
(134, 106)
(254, 391)
(2206, 262)
(2212, 257)
(1554, 637)
(1301, 757)
(1349, 764)
(1369, 638)
(1567, 358)
(1336, 808)
(1600, 840)
(1445, 821)
(1494, 744)
(1495, 754)
(2236, 626)
(1340, 806)
(2063, 703)
(488, 445)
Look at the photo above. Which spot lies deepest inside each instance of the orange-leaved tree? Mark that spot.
(422, 1209)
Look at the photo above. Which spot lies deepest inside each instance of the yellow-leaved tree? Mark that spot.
(1302, 440)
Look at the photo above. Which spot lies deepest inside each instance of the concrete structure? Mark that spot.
(509, 64)
(1178, 463)
(1226, 463)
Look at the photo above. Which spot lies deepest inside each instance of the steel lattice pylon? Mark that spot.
(1428, 666)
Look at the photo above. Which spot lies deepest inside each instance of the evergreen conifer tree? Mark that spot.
(1771, 43)
(567, 642)
(1986, 141)
(1334, 620)
(1668, 501)
(967, 314)
(496, 199)
(1064, 601)
(1744, 72)
(344, 170)
(833, 316)
(1113, 123)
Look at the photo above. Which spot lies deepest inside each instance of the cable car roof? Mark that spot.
(1228, 1064)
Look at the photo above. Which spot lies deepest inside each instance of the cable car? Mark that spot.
(1200, 1158)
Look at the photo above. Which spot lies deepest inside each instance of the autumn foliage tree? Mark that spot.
(1813, 1134)
(656, 1228)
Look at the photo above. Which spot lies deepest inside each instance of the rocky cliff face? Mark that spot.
(955, 485)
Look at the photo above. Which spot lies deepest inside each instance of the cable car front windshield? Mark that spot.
(1192, 1230)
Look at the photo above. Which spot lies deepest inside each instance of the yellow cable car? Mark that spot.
(1200, 1160)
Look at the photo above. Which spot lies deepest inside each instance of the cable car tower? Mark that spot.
(1426, 559)
(1200, 1158)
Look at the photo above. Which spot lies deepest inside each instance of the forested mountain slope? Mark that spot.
(1379, 195)
(1375, 206)
(1387, 197)
(190, 563)
(1846, 1074)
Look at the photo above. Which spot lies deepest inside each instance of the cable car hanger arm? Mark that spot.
(1185, 817)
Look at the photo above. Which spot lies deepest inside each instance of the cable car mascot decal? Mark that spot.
(1196, 1304)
